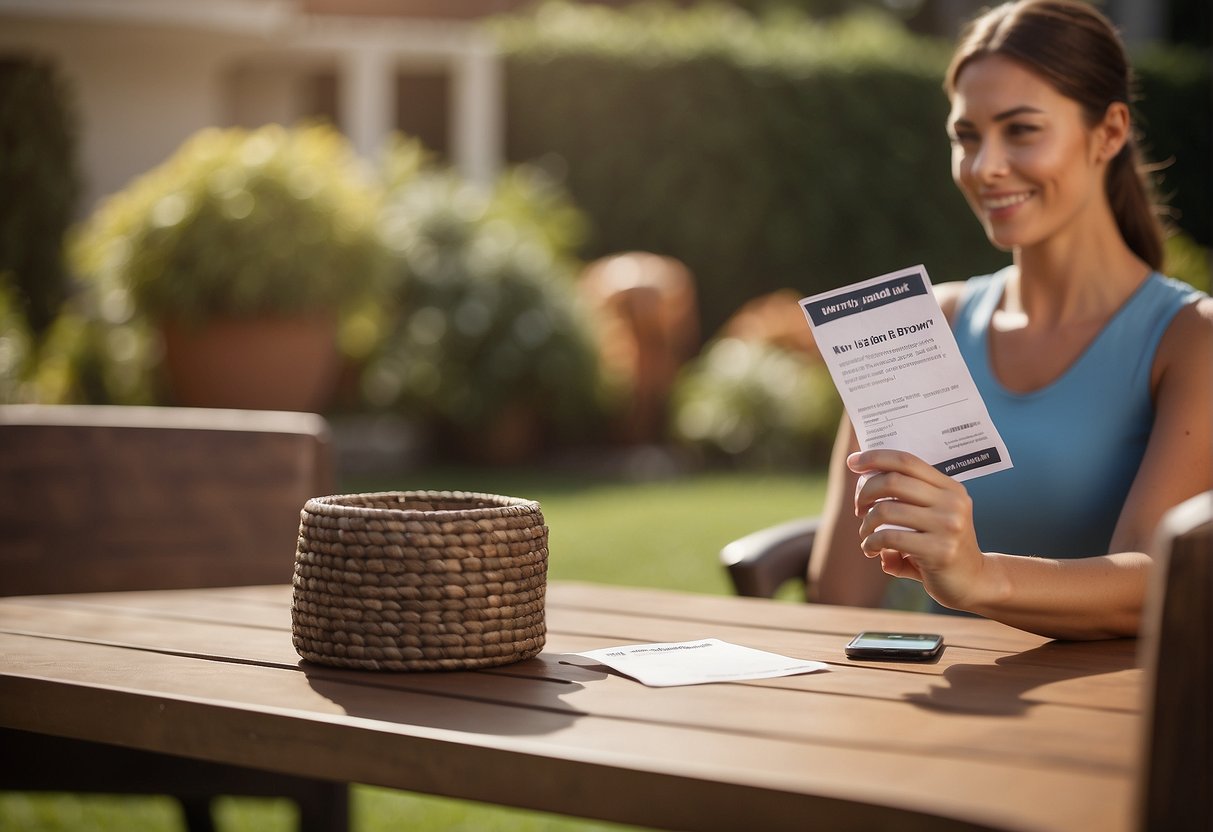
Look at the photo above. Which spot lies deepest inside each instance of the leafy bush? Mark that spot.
(87, 359)
(1175, 111)
(238, 223)
(756, 404)
(16, 353)
(1189, 262)
(39, 179)
(96, 350)
(482, 318)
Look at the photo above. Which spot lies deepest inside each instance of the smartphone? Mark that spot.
(901, 646)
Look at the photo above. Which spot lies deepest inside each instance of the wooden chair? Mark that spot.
(1176, 785)
(117, 498)
(763, 561)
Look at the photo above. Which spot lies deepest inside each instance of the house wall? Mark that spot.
(142, 87)
(139, 91)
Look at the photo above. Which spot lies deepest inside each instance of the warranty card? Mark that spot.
(697, 662)
(902, 379)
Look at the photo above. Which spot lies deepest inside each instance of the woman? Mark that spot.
(1097, 370)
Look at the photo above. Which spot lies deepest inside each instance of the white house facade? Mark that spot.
(146, 74)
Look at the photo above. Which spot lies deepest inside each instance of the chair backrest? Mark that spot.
(125, 498)
(1176, 782)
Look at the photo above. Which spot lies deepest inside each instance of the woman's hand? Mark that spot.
(919, 522)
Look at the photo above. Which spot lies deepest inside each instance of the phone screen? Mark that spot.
(884, 645)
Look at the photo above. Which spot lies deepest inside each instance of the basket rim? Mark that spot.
(335, 504)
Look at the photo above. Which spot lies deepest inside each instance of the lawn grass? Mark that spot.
(660, 533)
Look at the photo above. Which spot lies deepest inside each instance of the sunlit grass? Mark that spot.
(662, 533)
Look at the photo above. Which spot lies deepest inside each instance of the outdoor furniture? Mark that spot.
(102, 499)
(763, 561)
(1178, 735)
(1006, 731)
(114, 498)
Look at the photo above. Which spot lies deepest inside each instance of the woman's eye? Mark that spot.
(1022, 130)
(965, 138)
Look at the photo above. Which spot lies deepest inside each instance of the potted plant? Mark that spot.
(243, 248)
(485, 341)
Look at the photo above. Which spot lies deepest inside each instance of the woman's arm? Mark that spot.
(1094, 597)
(1098, 597)
(1179, 456)
(837, 573)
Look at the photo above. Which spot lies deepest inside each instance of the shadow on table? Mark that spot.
(519, 699)
(1003, 688)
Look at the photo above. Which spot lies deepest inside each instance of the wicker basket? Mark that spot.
(419, 580)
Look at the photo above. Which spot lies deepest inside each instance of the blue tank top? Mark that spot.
(1076, 444)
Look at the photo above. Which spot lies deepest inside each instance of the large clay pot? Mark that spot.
(254, 363)
(648, 320)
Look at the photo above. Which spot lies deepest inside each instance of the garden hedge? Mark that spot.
(779, 151)
(39, 182)
(1175, 112)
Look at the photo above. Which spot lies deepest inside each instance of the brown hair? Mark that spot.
(1077, 50)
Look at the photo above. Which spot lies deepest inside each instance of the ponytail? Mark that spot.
(1131, 195)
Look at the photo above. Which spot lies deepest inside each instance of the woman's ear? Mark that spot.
(1112, 132)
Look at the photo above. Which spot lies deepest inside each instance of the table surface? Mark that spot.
(1005, 730)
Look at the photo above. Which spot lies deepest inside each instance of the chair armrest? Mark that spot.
(759, 563)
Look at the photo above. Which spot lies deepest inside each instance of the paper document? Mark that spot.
(902, 379)
(697, 662)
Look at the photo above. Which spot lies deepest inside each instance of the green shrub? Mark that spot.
(755, 404)
(87, 359)
(96, 350)
(40, 184)
(237, 223)
(776, 151)
(1190, 262)
(482, 317)
(1175, 111)
(16, 347)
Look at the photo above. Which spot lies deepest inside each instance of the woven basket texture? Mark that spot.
(419, 580)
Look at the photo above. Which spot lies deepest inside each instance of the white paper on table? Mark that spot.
(901, 376)
(697, 662)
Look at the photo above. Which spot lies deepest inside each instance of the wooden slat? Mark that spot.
(543, 757)
(261, 606)
(1177, 792)
(841, 621)
(114, 498)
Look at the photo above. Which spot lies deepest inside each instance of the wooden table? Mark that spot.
(1006, 730)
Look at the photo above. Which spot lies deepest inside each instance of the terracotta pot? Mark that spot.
(254, 363)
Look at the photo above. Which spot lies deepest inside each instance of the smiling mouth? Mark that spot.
(998, 203)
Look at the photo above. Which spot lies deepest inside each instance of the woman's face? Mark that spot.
(1021, 153)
